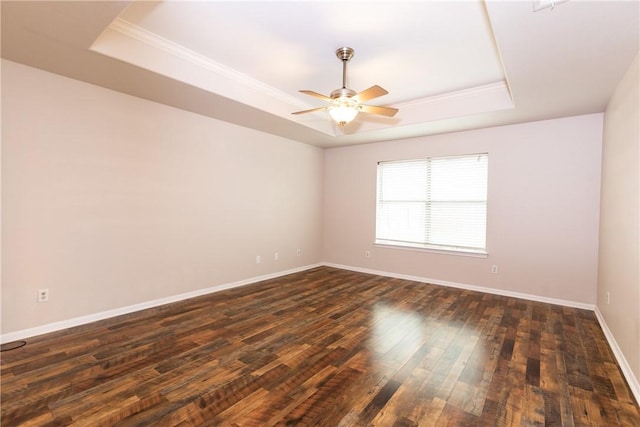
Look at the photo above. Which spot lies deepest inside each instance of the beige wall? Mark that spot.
(619, 263)
(543, 202)
(110, 200)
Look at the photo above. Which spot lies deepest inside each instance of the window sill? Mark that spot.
(424, 248)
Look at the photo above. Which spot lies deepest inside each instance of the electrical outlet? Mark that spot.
(367, 254)
(43, 295)
(298, 252)
(276, 256)
(258, 259)
(494, 269)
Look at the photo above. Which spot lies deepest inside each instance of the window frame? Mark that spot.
(430, 247)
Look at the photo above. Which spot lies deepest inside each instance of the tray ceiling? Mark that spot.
(447, 65)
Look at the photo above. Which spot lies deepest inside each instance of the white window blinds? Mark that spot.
(437, 203)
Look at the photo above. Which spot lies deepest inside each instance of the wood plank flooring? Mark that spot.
(324, 347)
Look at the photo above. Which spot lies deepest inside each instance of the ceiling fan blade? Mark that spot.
(372, 92)
(316, 94)
(311, 110)
(383, 111)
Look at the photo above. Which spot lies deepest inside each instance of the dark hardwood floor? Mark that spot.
(324, 347)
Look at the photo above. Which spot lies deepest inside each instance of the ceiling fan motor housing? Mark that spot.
(343, 92)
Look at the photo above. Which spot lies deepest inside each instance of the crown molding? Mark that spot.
(484, 90)
(153, 40)
(133, 44)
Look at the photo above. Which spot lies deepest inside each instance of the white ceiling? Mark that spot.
(448, 65)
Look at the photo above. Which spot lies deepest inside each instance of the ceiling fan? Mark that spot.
(345, 102)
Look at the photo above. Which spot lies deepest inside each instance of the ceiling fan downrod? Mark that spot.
(344, 54)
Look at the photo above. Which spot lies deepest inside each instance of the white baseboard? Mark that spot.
(77, 321)
(502, 292)
(622, 361)
(56, 326)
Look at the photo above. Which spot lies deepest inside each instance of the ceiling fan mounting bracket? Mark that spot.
(344, 53)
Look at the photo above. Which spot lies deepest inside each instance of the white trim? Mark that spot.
(488, 89)
(155, 41)
(433, 249)
(634, 385)
(627, 372)
(129, 43)
(502, 292)
(82, 320)
(133, 44)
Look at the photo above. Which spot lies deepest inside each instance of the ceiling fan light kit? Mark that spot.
(343, 113)
(345, 102)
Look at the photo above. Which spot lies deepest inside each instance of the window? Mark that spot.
(434, 203)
